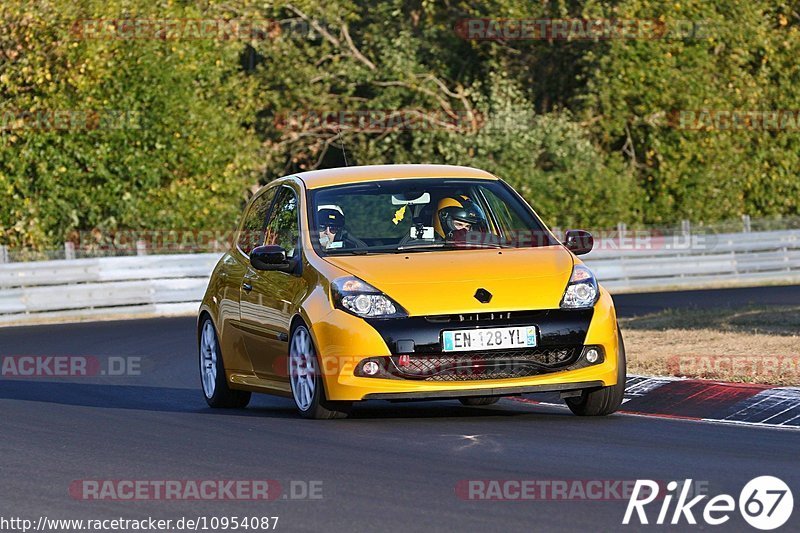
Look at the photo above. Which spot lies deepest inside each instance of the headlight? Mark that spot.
(362, 299)
(582, 290)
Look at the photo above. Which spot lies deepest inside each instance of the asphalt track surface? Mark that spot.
(391, 467)
(642, 303)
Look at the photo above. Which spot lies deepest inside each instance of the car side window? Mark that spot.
(283, 228)
(252, 233)
(509, 221)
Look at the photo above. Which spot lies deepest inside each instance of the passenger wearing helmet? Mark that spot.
(331, 229)
(456, 216)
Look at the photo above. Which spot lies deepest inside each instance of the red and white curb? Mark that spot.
(708, 401)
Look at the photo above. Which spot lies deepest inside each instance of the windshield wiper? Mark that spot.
(472, 245)
(453, 246)
(417, 248)
(354, 251)
(420, 247)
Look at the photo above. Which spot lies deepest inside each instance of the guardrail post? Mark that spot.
(69, 250)
(746, 223)
(141, 247)
(686, 227)
(4, 254)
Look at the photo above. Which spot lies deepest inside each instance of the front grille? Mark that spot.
(470, 366)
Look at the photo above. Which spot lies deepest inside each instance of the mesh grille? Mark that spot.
(501, 364)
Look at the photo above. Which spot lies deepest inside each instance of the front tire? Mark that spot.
(605, 400)
(212, 372)
(308, 390)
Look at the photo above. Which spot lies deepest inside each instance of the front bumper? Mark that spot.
(344, 342)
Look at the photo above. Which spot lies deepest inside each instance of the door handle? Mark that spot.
(247, 287)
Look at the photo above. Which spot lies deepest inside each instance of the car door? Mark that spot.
(231, 273)
(267, 296)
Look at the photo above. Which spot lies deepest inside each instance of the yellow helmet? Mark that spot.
(458, 207)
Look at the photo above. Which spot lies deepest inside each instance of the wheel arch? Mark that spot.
(313, 310)
(297, 319)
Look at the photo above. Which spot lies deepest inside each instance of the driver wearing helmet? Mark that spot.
(330, 222)
(456, 216)
(331, 229)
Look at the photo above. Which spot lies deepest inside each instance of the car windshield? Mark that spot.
(421, 215)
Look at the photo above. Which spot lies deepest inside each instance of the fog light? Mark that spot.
(592, 355)
(370, 368)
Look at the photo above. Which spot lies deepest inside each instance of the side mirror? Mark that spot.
(269, 257)
(579, 242)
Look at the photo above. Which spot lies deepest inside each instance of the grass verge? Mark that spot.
(746, 345)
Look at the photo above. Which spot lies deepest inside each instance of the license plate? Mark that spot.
(463, 340)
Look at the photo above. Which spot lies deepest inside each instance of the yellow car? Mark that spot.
(404, 282)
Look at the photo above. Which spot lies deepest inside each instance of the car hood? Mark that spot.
(445, 282)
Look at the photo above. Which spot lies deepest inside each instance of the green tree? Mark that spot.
(164, 147)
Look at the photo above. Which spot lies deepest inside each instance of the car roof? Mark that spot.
(343, 175)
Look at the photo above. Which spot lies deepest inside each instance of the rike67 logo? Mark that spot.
(765, 503)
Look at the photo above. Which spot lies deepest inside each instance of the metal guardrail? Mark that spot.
(174, 284)
(108, 286)
(718, 259)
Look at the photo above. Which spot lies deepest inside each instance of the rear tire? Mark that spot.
(477, 401)
(308, 387)
(605, 400)
(213, 380)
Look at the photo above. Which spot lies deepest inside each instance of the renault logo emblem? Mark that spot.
(483, 296)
